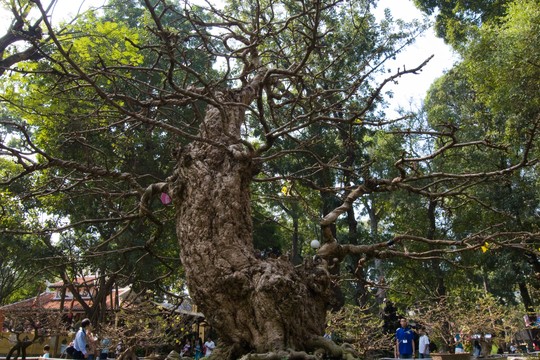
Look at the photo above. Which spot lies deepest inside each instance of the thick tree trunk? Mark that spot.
(254, 305)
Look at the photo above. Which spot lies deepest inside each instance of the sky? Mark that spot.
(412, 88)
(409, 91)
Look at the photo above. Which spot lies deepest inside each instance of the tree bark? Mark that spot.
(255, 305)
(527, 300)
(435, 264)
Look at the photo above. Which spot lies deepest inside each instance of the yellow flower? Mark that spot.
(485, 247)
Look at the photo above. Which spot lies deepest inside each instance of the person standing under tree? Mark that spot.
(104, 353)
(91, 345)
(198, 349)
(209, 345)
(423, 344)
(404, 341)
(46, 353)
(80, 341)
(458, 344)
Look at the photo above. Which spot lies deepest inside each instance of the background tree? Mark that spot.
(19, 271)
(456, 20)
(486, 95)
(146, 327)
(93, 246)
(30, 324)
(359, 328)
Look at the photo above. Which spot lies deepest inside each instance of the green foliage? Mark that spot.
(116, 51)
(492, 95)
(457, 20)
(505, 77)
(20, 273)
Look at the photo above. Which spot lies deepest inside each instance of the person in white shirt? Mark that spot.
(46, 352)
(423, 344)
(209, 346)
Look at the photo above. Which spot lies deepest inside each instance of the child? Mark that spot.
(46, 354)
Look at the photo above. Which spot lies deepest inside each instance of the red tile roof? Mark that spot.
(86, 280)
(49, 301)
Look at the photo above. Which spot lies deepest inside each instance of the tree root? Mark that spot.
(332, 350)
(281, 355)
(322, 349)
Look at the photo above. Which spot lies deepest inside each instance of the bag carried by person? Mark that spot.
(70, 350)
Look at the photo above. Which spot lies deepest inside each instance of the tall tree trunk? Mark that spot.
(293, 212)
(361, 294)
(374, 218)
(527, 300)
(253, 304)
(296, 257)
(435, 263)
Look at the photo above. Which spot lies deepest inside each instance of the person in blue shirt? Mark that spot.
(79, 344)
(459, 344)
(404, 341)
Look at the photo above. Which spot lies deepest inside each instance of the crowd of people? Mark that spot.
(196, 349)
(85, 346)
(411, 342)
(405, 347)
